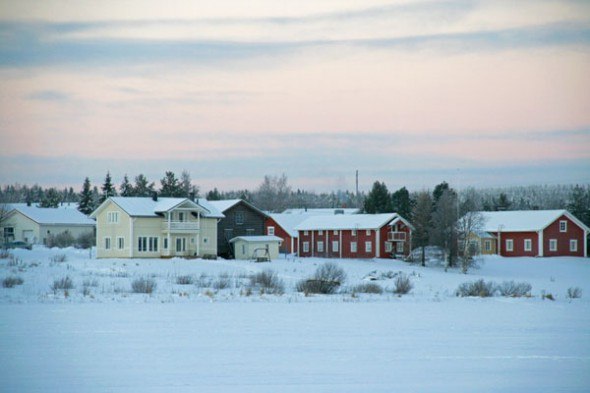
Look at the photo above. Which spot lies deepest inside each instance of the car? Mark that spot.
(18, 244)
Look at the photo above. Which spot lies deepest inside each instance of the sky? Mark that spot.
(477, 93)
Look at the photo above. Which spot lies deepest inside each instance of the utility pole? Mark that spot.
(357, 188)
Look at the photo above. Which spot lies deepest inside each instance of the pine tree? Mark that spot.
(439, 190)
(170, 186)
(126, 189)
(422, 221)
(401, 202)
(213, 195)
(503, 203)
(107, 188)
(143, 188)
(86, 204)
(579, 204)
(52, 198)
(187, 185)
(378, 200)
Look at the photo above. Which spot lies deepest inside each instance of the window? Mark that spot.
(400, 247)
(120, 243)
(552, 244)
(165, 243)
(388, 247)
(320, 247)
(528, 245)
(270, 231)
(354, 232)
(573, 245)
(153, 244)
(181, 216)
(368, 247)
(335, 232)
(305, 233)
(563, 226)
(205, 240)
(368, 232)
(335, 246)
(487, 245)
(113, 217)
(509, 245)
(353, 246)
(320, 233)
(305, 246)
(243, 249)
(142, 244)
(145, 244)
(107, 243)
(229, 234)
(239, 218)
(9, 233)
(180, 244)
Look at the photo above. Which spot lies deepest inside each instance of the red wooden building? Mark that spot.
(283, 226)
(355, 236)
(540, 233)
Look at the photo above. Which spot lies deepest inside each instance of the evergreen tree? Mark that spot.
(170, 186)
(143, 188)
(503, 203)
(86, 204)
(95, 196)
(439, 190)
(107, 189)
(213, 195)
(401, 202)
(422, 221)
(579, 204)
(378, 200)
(126, 189)
(187, 185)
(444, 230)
(52, 198)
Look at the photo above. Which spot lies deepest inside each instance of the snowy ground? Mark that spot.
(196, 338)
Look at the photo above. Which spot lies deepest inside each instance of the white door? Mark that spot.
(28, 236)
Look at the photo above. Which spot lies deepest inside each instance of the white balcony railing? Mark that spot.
(182, 226)
(396, 236)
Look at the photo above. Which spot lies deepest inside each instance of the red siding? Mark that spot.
(518, 239)
(280, 232)
(574, 232)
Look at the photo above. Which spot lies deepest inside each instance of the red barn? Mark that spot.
(540, 233)
(355, 236)
(283, 226)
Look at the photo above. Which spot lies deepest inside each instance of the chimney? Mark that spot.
(29, 202)
(155, 196)
(191, 196)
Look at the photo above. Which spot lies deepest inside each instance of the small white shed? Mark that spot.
(256, 247)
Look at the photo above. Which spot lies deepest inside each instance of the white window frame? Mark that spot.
(239, 218)
(553, 245)
(305, 233)
(369, 246)
(353, 247)
(563, 226)
(153, 244)
(120, 242)
(353, 232)
(388, 247)
(270, 231)
(573, 245)
(528, 244)
(107, 243)
(113, 217)
(320, 233)
(320, 246)
(368, 232)
(335, 232)
(305, 246)
(182, 244)
(335, 246)
(399, 247)
(181, 216)
(165, 243)
(509, 245)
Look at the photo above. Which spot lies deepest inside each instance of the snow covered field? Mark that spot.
(188, 338)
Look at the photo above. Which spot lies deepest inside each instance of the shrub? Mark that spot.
(184, 280)
(64, 283)
(515, 289)
(223, 281)
(574, 293)
(330, 272)
(11, 281)
(14, 261)
(325, 280)
(403, 285)
(86, 240)
(548, 296)
(59, 258)
(89, 283)
(204, 281)
(143, 285)
(5, 254)
(61, 240)
(368, 288)
(479, 288)
(268, 281)
(209, 256)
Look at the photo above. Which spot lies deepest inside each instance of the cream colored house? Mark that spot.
(254, 247)
(33, 224)
(133, 227)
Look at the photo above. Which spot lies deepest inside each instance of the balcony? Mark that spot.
(180, 226)
(396, 236)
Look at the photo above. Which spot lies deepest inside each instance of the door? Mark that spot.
(28, 236)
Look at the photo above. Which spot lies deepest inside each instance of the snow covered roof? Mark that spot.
(257, 239)
(289, 221)
(523, 220)
(226, 204)
(322, 211)
(147, 207)
(346, 221)
(53, 216)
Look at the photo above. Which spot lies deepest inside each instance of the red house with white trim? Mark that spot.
(540, 233)
(283, 226)
(355, 236)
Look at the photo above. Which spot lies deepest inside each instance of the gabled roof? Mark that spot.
(257, 239)
(289, 221)
(322, 211)
(227, 204)
(346, 221)
(53, 216)
(524, 220)
(147, 207)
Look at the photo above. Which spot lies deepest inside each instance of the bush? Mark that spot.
(479, 288)
(548, 296)
(574, 293)
(209, 256)
(61, 240)
(223, 281)
(184, 280)
(86, 240)
(268, 281)
(204, 281)
(10, 282)
(143, 285)
(59, 258)
(515, 289)
(14, 261)
(5, 254)
(63, 283)
(403, 285)
(330, 272)
(368, 288)
(311, 285)
(326, 279)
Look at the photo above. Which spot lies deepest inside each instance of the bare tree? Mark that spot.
(273, 194)
(443, 231)
(422, 221)
(467, 226)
